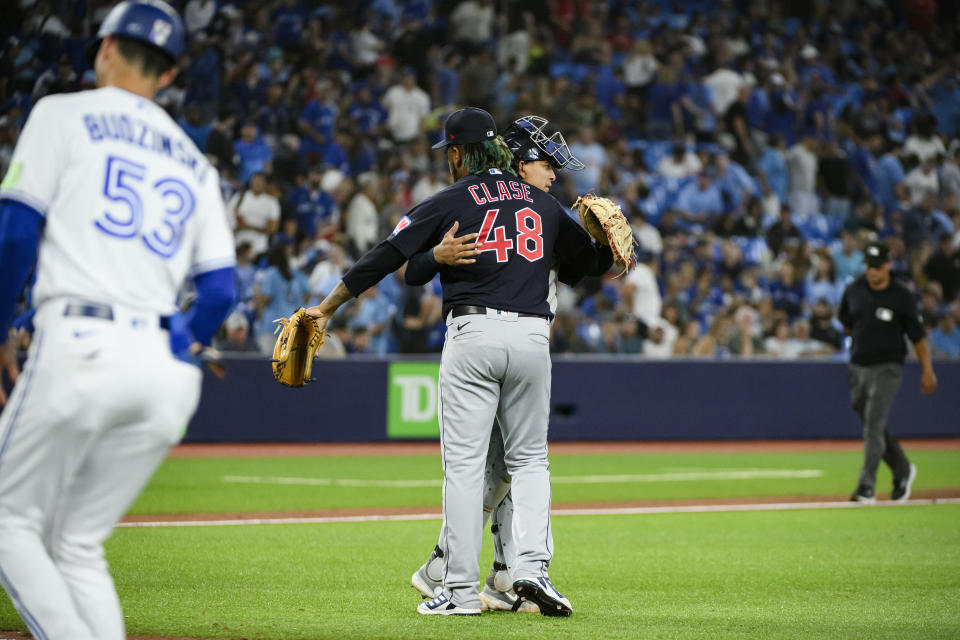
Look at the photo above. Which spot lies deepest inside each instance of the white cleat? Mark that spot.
(421, 582)
(441, 606)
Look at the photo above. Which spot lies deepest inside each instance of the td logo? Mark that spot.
(412, 400)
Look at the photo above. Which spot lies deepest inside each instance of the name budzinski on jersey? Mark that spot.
(118, 126)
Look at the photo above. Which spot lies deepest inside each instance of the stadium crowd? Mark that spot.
(755, 146)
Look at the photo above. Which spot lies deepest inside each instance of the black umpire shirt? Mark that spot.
(879, 319)
(520, 227)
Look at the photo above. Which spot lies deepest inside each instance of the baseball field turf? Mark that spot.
(766, 572)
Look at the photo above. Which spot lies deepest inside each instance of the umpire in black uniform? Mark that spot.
(877, 311)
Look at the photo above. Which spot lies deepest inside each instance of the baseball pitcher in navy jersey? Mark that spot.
(496, 357)
(537, 155)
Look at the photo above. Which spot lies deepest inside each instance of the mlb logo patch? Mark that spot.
(160, 33)
(403, 224)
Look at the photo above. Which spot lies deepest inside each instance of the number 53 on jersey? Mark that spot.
(131, 200)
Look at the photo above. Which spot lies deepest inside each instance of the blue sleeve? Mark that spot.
(309, 112)
(269, 284)
(215, 295)
(20, 227)
(421, 268)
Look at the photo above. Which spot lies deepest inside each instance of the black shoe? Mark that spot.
(863, 494)
(901, 486)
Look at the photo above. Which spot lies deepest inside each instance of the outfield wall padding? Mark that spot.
(592, 399)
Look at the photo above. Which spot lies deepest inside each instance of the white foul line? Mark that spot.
(784, 506)
(686, 476)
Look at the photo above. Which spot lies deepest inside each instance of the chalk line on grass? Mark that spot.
(784, 506)
(685, 476)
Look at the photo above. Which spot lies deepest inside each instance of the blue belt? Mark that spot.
(102, 312)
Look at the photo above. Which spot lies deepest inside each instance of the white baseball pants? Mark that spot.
(95, 410)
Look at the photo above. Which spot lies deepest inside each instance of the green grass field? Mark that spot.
(191, 485)
(866, 572)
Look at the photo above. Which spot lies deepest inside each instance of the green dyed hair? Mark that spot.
(488, 154)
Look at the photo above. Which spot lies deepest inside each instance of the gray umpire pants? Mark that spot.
(494, 367)
(872, 390)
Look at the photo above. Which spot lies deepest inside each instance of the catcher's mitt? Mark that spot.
(296, 346)
(604, 221)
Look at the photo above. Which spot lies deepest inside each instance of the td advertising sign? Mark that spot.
(412, 400)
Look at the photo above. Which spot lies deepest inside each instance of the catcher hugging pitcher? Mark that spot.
(495, 368)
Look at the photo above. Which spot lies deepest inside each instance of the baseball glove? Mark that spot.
(295, 348)
(604, 221)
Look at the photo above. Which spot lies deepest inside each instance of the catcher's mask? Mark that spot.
(528, 142)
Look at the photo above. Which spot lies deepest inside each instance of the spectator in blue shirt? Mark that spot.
(822, 284)
(945, 338)
(280, 292)
(317, 122)
(335, 154)
(772, 165)
(314, 209)
(787, 291)
(374, 314)
(448, 79)
(698, 202)
(925, 223)
(274, 117)
(203, 73)
(366, 112)
(662, 95)
(847, 258)
(888, 177)
(696, 107)
(245, 276)
(254, 154)
(247, 92)
(864, 165)
(782, 116)
(733, 181)
(758, 107)
(196, 129)
(814, 72)
(945, 95)
(289, 20)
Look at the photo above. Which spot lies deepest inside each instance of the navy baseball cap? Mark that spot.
(466, 126)
(877, 253)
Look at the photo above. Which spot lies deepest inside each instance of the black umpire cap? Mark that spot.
(466, 126)
(877, 253)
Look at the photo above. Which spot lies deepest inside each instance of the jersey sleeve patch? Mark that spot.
(403, 224)
(12, 179)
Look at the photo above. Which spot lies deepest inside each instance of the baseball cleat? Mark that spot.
(421, 582)
(863, 495)
(441, 606)
(540, 591)
(494, 600)
(901, 487)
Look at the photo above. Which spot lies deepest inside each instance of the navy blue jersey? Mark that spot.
(520, 227)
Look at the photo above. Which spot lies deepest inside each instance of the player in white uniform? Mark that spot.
(119, 208)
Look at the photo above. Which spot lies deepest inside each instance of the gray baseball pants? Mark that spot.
(494, 366)
(872, 390)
